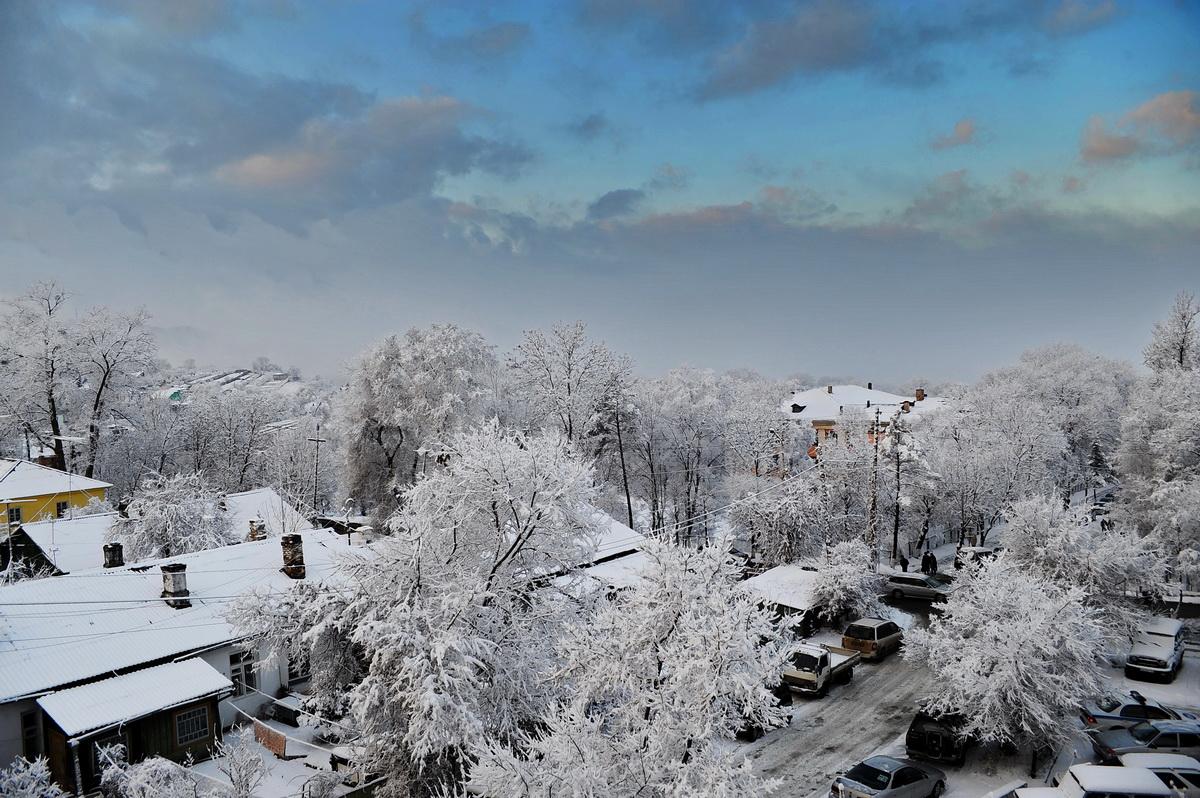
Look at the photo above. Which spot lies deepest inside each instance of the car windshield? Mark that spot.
(860, 632)
(1143, 732)
(805, 662)
(867, 775)
(1108, 703)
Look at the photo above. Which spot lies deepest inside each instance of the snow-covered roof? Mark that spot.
(73, 544)
(77, 627)
(263, 504)
(1158, 625)
(134, 695)
(786, 585)
(20, 479)
(612, 538)
(827, 403)
(1110, 779)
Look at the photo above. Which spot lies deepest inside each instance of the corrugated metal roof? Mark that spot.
(72, 544)
(132, 696)
(67, 629)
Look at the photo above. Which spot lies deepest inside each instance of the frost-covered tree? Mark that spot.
(846, 585)
(1176, 339)
(845, 462)
(155, 777)
(564, 377)
(170, 516)
(905, 481)
(1062, 546)
(25, 779)
(437, 640)
(242, 764)
(780, 520)
(1014, 654)
(116, 350)
(657, 682)
(39, 365)
(226, 434)
(406, 396)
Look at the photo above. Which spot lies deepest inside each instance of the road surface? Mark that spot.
(828, 735)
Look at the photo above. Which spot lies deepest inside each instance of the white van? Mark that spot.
(1103, 781)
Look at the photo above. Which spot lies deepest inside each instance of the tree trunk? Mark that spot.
(624, 472)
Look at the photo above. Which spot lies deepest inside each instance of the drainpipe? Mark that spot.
(78, 773)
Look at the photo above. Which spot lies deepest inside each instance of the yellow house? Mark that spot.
(31, 492)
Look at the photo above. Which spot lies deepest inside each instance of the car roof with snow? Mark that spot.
(1160, 761)
(1161, 626)
(885, 763)
(786, 585)
(1107, 777)
(869, 622)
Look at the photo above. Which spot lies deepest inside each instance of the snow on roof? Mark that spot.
(1115, 779)
(132, 696)
(263, 504)
(21, 479)
(72, 544)
(612, 537)
(819, 404)
(1158, 625)
(787, 585)
(112, 619)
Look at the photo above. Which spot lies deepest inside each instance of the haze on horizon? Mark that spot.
(868, 188)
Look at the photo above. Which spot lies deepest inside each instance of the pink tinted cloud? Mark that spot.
(963, 133)
(1072, 185)
(1174, 115)
(1098, 145)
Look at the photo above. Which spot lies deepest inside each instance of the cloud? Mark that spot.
(671, 26)
(486, 45)
(1072, 185)
(590, 127)
(620, 202)
(963, 133)
(669, 177)
(821, 36)
(1071, 17)
(1098, 145)
(954, 197)
(1174, 115)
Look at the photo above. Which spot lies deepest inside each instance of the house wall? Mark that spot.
(10, 729)
(270, 679)
(43, 508)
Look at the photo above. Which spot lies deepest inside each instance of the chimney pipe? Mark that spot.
(829, 389)
(258, 530)
(175, 589)
(920, 394)
(868, 386)
(293, 556)
(114, 555)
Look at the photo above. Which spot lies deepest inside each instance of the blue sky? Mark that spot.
(872, 188)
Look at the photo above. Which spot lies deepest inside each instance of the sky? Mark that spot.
(886, 189)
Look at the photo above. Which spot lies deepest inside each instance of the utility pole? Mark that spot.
(316, 464)
(872, 516)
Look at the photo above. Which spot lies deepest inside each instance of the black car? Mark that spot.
(938, 739)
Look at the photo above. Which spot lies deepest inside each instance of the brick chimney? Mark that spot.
(829, 389)
(920, 394)
(114, 555)
(258, 530)
(293, 556)
(175, 589)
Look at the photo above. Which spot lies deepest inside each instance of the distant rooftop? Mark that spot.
(829, 402)
(20, 479)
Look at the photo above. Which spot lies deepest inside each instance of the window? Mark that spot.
(298, 668)
(1134, 711)
(907, 776)
(191, 725)
(31, 735)
(61, 508)
(1165, 740)
(1188, 740)
(241, 673)
(99, 761)
(14, 515)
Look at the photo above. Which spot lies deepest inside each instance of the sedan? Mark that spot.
(887, 777)
(1148, 737)
(1117, 711)
(932, 587)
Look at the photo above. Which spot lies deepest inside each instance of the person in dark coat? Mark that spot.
(903, 563)
(928, 563)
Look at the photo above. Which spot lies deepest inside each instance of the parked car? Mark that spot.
(750, 732)
(932, 587)
(1099, 781)
(1117, 711)
(887, 777)
(1157, 651)
(1010, 790)
(1149, 736)
(874, 638)
(938, 739)
(1180, 773)
(814, 668)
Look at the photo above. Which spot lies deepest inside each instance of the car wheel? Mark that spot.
(897, 595)
(938, 789)
(849, 677)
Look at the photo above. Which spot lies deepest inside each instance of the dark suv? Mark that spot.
(938, 739)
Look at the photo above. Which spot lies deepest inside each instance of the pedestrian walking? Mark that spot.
(903, 563)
